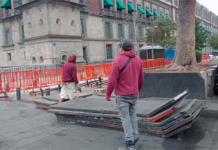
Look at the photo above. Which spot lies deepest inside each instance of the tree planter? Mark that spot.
(165, 85)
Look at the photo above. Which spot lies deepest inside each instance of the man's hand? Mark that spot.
(108, 98)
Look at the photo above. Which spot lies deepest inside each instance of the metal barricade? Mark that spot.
(33, 77)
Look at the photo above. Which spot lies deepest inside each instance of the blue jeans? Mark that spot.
(127, 111)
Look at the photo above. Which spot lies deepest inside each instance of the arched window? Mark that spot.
(40, 22)
(72, 23)
(29, 24)
(33, 60)
(58, 21)
(64, 57)
(41, 59)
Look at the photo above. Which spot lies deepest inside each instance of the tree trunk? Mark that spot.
(185, 42)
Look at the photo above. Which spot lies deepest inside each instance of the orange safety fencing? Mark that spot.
(45, 77)
(89, 72)
(152, 63)
(205, 58)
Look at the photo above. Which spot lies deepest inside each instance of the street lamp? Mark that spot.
(134, 27)
(152, 29)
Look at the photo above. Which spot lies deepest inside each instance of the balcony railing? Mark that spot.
(108, 13)
(121, 15)
(9, 13)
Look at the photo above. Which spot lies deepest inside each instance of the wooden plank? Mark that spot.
(44, 104)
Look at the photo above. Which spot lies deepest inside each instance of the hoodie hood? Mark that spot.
(130, 54)
(72, 58)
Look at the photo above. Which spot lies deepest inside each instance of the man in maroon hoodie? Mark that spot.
(126, 79)
(69, 79)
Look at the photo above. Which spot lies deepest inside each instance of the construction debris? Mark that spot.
(100, 91)
(156, 117)
(46, 102)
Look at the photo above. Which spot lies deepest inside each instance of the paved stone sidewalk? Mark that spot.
(22, 127)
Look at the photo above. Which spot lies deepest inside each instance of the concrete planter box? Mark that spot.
(166, 85)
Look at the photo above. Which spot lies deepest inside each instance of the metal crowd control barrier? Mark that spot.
(37, 77)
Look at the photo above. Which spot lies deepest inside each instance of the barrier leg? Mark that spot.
(59, 87)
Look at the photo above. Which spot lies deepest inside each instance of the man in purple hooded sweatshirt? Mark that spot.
(126, 79)
(69, 79)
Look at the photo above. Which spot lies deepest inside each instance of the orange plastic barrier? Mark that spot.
(39, 78)
(205, 58)
(152, 63)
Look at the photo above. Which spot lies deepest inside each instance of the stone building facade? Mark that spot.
(38, 32)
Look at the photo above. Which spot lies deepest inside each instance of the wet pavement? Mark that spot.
(22, 127)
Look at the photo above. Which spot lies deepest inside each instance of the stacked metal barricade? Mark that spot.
(159, 118)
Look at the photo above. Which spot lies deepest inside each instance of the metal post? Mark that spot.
(42, 92)
(18, 94)
(152, 42)
(152, 37)
(47, 91)
(59, 87)
(134, 26)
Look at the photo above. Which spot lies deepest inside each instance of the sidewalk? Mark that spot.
(22, 127)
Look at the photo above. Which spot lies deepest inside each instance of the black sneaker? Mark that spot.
(136, 140)
(130, 145)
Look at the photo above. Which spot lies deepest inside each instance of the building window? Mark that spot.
(109, 53)
(73, 23)
(63, 58)
(83, 27)
(131, 31)
(154, 7)
(40, 22)
(147, 4)
(176, 2)
(33, 60)
(24, 55)
(58, 21)
(8, 37)
(30, 24)
(140, 32)
(9, 57)
(21, 30)
(120, 30)
(161, 9)
(167, 12)
(108, 30)
(41, 59)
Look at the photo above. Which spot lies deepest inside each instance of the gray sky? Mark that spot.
(212, 5)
